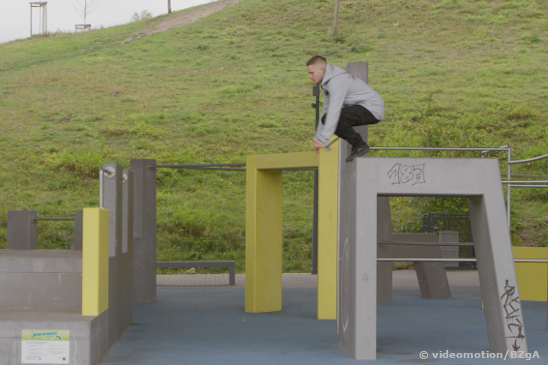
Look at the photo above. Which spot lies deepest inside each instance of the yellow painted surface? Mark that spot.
(263, 257)
(532, 277)
(287, 161)
(95, 261)
(327, 232)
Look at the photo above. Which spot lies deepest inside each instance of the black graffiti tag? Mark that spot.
(511, 306)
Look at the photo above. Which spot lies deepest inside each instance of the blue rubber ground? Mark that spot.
(209, 326)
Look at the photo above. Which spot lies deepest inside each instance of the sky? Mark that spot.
(61, 14)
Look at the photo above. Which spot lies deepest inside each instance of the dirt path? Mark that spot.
(175, 20)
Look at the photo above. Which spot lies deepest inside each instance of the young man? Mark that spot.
(348, 102)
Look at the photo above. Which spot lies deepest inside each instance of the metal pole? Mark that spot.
(314, 264)
(508, 188)
(336, 21)
(101, 187)
(31, 20)
(169, 6)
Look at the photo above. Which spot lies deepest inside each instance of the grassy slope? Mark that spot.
(452, 73)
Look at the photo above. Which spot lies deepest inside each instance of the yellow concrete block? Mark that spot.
(263, 259)
(287, 161)
(328, 173)
(95, 261)
(532, 277)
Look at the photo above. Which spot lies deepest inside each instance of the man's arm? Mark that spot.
(333, 103)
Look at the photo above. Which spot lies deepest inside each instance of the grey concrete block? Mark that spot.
(363, 180)
(40, 261)
(112, 200)
(76, 240)
(88, 334)
(449, 251)
(144, 230)
(22, 231)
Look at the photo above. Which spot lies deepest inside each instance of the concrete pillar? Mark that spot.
(22, 231)
(76, 240)
(144, 230)
(360, 70)
(450, 251)
(112, 200)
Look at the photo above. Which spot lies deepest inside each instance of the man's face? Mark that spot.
(315, 73)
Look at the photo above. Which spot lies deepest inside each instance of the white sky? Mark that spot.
(15, 14)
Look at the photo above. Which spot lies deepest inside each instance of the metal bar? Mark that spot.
(314, 264)
(441, 259)
(528, 176)
(101, 193)
(186, 166)
(439, 149)
(52, 219)
(210, 168)
(508, 190)
(528, 160)
(525, 182)
(426, 243)
(528, 186)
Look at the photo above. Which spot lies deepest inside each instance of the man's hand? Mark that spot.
(317, 146)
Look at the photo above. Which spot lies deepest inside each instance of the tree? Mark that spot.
(85, 7)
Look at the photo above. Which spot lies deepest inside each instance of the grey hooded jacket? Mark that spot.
(342, 89)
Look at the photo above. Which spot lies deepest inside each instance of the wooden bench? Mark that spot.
(229, 264)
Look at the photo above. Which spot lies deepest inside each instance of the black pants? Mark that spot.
(352, 116)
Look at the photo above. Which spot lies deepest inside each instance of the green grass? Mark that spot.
(452, 73)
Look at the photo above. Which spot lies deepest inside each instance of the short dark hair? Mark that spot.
(316, 59)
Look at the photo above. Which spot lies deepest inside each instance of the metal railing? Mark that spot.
(442, 259)
(34, 220)
(484, 151)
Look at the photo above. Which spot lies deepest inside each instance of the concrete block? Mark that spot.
(76, 240)
(144, 230)
(363, 180)
(22, 231)
(451, 252)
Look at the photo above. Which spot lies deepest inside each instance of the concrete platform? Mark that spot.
(88, 334)
(193, 324)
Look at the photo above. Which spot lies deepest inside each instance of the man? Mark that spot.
(348, 102)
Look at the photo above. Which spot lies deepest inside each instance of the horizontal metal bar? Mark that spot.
(198, 165)
(540, 261)
(426, 243)
(528, 176)
(528, 186)
(52, 219)
(525, 182)
(439, 149)
(442, 259)
(528, 160)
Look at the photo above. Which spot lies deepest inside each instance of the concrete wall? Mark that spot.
(41, 278)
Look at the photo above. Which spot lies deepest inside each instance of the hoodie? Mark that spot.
(342, 89)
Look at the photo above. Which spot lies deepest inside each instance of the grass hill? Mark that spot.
(452, 72)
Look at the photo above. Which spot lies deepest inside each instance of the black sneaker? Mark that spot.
(357, 152)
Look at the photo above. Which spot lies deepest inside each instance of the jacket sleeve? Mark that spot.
(333, 103)
(325, 108)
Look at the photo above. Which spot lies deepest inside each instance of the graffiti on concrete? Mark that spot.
(512, 311)
(404, 174)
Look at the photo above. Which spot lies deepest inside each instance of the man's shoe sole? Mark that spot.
(354, 155)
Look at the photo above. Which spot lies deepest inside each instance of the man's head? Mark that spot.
(316, 69)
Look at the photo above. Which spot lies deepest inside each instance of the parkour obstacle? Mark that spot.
(89, 289)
